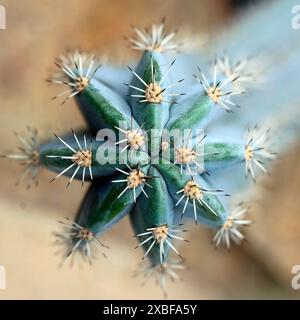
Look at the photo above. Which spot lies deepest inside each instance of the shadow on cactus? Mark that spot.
(145, 152)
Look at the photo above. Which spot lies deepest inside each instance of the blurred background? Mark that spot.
(36, 33)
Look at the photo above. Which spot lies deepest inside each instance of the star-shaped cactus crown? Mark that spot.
(146, 150)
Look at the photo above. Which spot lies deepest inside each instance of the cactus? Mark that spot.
(142, 170)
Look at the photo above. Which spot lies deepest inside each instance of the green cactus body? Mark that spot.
(222, 154)
(191, 112)
(154, 190)
(151, 114)
(103, 107)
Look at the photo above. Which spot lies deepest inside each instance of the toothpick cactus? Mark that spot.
(146, 153)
